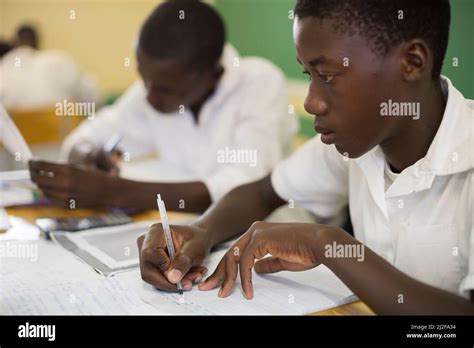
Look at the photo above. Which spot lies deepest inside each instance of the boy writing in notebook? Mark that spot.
(408, 178)
(216, 119)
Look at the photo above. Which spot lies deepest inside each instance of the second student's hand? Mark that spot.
(157, 269)
(67, 183)
(291, 245)
(93, 157)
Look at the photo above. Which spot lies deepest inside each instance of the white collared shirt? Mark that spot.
(32, 78)
(423, 222)
(248, 111)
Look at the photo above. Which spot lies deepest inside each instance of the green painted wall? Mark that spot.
(461, 45)
(263, 28)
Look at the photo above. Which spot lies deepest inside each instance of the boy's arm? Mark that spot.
(94, 188)
(298, 247)
(236, 211)
(386, 289)
(65, 182)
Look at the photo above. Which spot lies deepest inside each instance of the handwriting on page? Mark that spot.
(282, 293)
(55, 282)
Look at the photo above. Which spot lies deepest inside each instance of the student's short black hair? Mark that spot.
(27, 31)
(378, 21)
(186, 30)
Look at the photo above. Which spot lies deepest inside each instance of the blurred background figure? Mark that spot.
(4, 47)
(32, 78)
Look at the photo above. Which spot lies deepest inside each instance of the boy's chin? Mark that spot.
(166, 109)
(350, 152)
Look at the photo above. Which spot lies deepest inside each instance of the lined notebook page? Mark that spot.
(289, 293)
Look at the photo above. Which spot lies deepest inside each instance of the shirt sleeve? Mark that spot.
(127, 117)
(315, 177)
(264, 128)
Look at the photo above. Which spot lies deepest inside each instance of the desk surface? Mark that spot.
(30, 214)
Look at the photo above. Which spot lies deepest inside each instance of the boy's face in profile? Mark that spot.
(348, 83)
(171, 84)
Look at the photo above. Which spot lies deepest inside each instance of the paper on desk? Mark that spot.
(16, 188)
(4, 221)
(285, 293)
(19, 229)
(49, 280)
(11, 137)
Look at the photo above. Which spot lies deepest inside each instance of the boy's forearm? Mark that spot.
(186, 197)
(385, 289)
(235, 212)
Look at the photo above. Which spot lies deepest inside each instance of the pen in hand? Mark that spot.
(108, 158)
(168, 237)
(112, 143)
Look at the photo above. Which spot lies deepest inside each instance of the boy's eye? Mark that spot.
(307, 73)
(326, 78)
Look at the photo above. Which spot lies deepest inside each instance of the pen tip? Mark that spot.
(180, 291)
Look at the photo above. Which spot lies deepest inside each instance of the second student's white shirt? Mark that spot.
(423, 222)
(248, 111)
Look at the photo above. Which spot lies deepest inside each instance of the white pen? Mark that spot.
(168, 237)
(112, 143)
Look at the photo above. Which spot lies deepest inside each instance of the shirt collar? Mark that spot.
(450, 151)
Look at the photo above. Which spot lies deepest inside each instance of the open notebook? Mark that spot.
(284, 293)
(15, 186)
(49, 280)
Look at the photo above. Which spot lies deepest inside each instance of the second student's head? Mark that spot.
(361, 54)
(178, 54)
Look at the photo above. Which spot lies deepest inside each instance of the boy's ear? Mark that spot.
(415, 58)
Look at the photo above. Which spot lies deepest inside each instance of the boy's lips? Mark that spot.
(327, 136)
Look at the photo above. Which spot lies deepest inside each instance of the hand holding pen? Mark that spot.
(164, 271)
(105, 158)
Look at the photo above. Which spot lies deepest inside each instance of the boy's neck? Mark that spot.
(415, 136)
(196, 108)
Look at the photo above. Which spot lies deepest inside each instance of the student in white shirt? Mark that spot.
(409, 180)
(221, 119)
(34, 78)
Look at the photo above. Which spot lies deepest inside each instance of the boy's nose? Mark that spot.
(314, 105)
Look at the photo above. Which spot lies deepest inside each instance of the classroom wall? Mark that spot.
(99, 33)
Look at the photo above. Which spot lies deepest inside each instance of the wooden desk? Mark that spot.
(30, 214)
